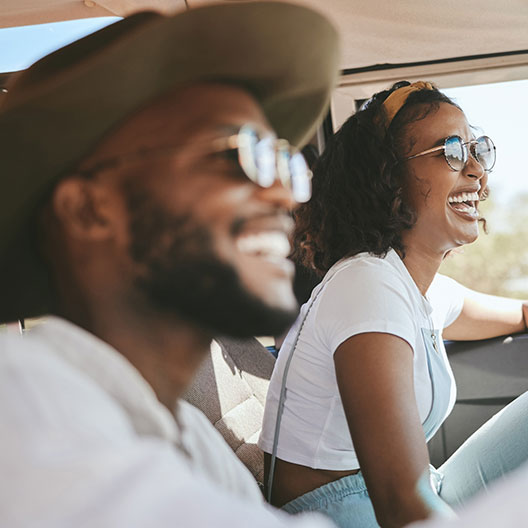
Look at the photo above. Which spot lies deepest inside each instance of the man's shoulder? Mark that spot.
(41, 391)
(28, 353)
(25, 352)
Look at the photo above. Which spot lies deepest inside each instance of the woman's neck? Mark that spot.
(422, 265)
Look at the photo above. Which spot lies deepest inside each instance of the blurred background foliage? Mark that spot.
(497, 263)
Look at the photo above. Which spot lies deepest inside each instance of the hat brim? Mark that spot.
(57, 111)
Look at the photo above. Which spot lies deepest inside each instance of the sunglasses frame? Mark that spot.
(284, 153)
(239, 142)
(465, 151)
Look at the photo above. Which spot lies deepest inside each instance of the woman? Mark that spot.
(367, 378)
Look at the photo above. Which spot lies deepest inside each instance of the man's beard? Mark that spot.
(184, 276)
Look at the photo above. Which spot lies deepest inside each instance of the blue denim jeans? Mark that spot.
(498, 447)
(345, 501)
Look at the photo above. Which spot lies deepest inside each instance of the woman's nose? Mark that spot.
(474, 169)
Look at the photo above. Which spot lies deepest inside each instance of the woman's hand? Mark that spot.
(375, 377)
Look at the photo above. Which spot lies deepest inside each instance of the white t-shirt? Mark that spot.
(85, 442)
(360, 294)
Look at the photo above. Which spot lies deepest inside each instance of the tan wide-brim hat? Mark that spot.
(55, 112)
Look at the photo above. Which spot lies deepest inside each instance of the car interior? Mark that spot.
(451, 43)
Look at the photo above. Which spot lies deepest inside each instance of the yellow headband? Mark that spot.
(397, 99)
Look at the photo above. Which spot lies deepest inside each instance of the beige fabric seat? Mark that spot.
(230, 388)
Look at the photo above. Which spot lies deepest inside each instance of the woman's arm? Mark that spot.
(375, 377)
(485, 316)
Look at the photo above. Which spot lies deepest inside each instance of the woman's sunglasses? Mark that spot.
(262, 157)
(456, 152)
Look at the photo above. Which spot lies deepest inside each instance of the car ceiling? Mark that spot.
(373, 31)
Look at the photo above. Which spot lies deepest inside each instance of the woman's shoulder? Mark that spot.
(367, 293)
(368, 267)
(367, 281)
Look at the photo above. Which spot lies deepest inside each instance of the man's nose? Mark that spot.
(277, 194)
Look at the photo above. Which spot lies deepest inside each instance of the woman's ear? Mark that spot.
(82, 208)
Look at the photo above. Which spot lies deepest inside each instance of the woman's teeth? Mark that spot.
(463, 197)
(465, 203)
(466, 208)
(273, 244)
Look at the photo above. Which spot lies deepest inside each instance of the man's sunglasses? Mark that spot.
(262, 157)
(456, 152)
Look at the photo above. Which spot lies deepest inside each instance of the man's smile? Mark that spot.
(271, 246)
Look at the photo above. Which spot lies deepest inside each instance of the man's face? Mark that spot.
(199, 239)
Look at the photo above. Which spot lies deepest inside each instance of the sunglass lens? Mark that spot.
(455, 153)
(484, 151)
(247, 144)
(263, 158)
(264, 155)
(300, 180)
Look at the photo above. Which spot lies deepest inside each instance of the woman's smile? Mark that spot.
(465, 203)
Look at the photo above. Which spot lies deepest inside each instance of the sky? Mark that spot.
(499, 109)
(22, 46)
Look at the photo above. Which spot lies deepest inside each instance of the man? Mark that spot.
(144, 205)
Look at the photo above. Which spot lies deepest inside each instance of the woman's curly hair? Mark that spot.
(358, 201)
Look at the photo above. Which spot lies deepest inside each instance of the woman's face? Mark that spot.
(445, 201)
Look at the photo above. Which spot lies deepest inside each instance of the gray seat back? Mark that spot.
(230, 388)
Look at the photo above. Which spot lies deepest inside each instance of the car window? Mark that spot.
(497, 263)
(22, 46)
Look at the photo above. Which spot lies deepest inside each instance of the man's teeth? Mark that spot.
(463, 197)
(269, 244)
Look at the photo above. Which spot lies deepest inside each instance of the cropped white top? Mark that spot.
(360, 294)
